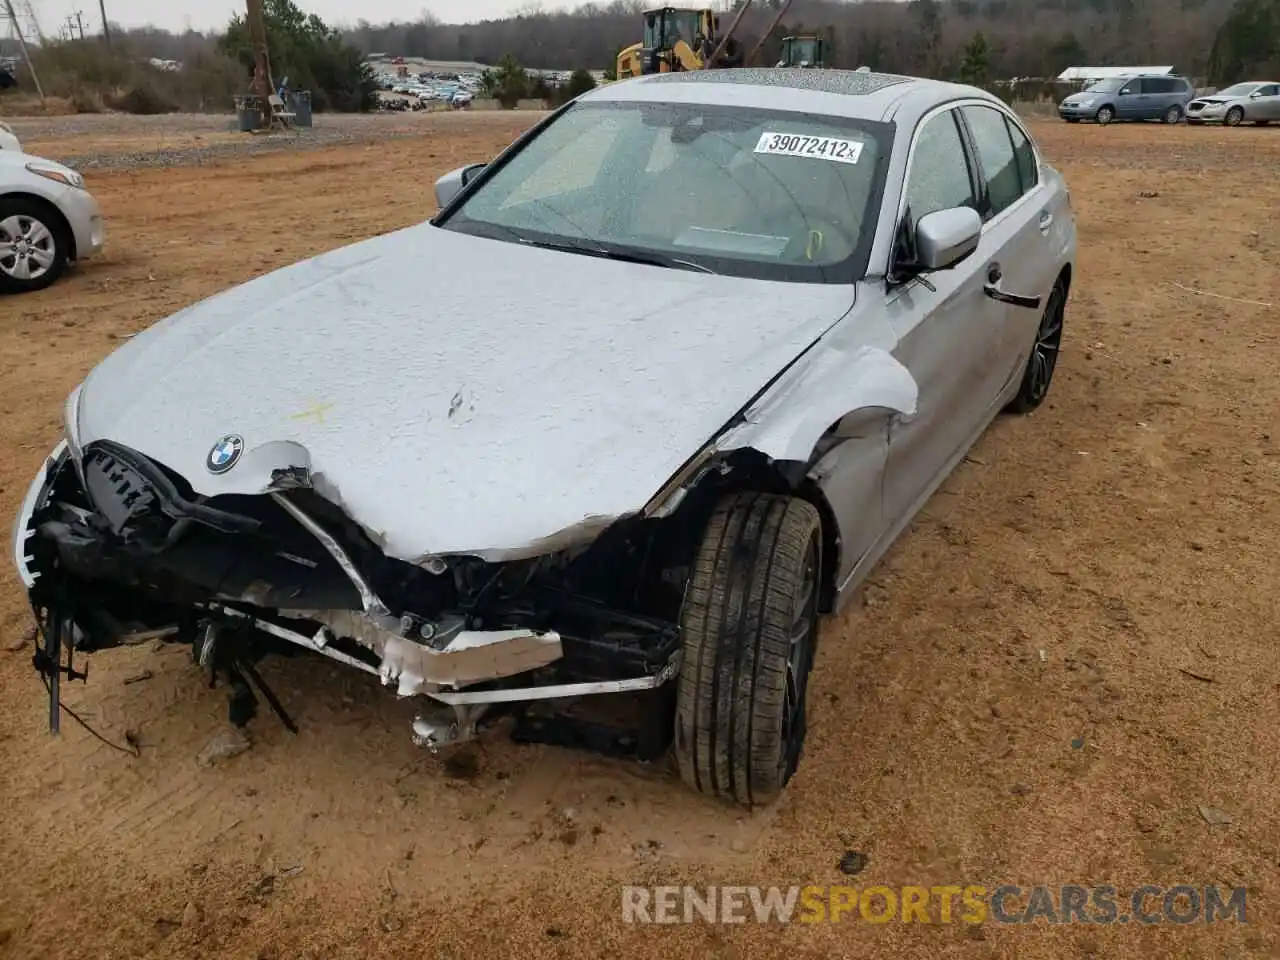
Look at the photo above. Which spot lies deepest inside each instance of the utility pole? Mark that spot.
(22, 43)
(255, 21)
(106, 30)
(80, 23)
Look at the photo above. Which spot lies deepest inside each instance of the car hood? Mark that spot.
(455, 394)
(1213, 100)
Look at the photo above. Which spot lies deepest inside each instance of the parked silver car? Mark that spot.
(47, 220)
(658, 386)
(1255, 101)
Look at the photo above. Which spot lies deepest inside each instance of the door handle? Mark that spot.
(992, 289)
(1046, 220)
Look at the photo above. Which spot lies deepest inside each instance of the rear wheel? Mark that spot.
(33, 250)
(1105, 115)
(749, 626)
(1173, 115)
(1234, 116)
(1044, 355)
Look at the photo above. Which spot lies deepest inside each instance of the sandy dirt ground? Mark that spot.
(1072, 650)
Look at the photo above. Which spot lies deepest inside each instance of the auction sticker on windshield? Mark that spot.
(820, 148)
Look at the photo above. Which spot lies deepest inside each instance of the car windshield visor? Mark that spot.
(721, 189)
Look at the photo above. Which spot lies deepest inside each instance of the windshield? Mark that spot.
(803, 51)
(1106, 86)
(662, 28)
(775, 195)
(1238, 90)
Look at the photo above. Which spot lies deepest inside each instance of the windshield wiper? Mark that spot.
(624, 256)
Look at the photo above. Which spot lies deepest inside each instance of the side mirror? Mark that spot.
(945, 237)
(451, 184)
(1255, 95)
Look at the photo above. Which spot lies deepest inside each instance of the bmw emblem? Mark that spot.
(225, 453)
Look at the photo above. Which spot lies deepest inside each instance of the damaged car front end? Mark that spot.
(114, 547)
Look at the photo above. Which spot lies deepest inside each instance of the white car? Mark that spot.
(623, 418)
(47, 220)
(1250, 102)
(9, 139)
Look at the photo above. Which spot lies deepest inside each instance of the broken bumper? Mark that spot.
(115, 546)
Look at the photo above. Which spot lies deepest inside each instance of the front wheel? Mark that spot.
(33, 252)
(749, 626)
(1105, 115)
(1234, 116)
(1044, 354)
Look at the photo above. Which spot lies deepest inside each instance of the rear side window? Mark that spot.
(1025, 155)
(995, 156)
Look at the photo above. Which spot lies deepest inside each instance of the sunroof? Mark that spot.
(849, 82)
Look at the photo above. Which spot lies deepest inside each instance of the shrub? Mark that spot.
(144, 99)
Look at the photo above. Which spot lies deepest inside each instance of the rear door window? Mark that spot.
(996, 157)
(1025, 154)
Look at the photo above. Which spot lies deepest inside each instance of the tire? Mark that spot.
(1234, 116)
(1038, 376)
(1105, 115)
(33, 245)
(1173, 115)
(749, 627)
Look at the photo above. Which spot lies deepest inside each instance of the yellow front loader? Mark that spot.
(673, 40)
(689, 38)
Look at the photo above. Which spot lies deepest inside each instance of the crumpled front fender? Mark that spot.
(787, 422)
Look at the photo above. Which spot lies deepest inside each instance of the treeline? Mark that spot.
(976, 40)
(91, 75)
(1026, 38)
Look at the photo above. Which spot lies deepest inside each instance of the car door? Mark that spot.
(948, 330)
(1264, 103)
(1157, 96)
(1129, 100)
(1018, 215)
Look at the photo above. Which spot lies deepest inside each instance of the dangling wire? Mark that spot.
(41, 631)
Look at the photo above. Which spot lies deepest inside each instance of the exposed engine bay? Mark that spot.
(114, 546)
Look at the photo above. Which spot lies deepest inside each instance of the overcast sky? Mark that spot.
(207, 14)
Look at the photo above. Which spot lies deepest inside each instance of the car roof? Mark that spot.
(841, 93)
